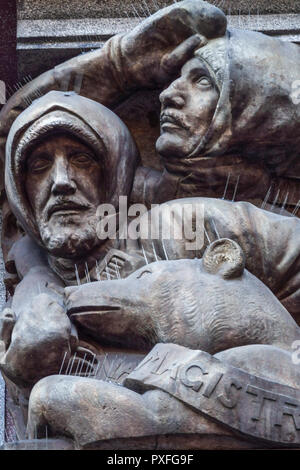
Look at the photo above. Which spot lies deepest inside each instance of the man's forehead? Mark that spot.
(61, 140)
(194, 65)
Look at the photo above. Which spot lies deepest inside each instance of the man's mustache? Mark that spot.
(174, 118)
(66, 204)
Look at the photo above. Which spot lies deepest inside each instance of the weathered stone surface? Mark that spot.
(2, 384)
(44, 43)
(39, 444)
(2, 410)
(226, 125)
(28, 9)
(207, 384)
(49, 33)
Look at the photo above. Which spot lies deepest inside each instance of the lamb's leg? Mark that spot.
(87, 410)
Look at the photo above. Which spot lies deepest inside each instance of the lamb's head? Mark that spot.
(212, 304)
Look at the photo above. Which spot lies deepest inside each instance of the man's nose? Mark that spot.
(173, 95)
(62, 183)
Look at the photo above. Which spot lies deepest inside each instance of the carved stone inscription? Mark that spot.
(247, 403)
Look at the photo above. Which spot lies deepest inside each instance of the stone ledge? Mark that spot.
(93, 30)
(42, 44)
(43, 9)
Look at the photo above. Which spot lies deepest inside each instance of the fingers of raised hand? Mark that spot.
(173, 61)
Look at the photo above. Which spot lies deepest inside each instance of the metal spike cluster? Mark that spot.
(284, 204)
(235, 188)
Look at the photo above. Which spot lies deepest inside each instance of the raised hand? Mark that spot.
(37, 342)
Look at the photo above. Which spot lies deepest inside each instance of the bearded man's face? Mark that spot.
(63, 185)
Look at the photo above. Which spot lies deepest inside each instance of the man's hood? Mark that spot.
(257, 116)
(86, 120)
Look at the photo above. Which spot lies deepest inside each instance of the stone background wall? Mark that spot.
(50, 32)
(43, 9)
(2, 387)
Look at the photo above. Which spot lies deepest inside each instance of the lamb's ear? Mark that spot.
(224, 257)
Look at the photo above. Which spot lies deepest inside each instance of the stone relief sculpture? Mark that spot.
(156, 345)
(232, 126)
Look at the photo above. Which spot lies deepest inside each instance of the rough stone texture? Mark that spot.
(42, 44)
(52, 32)
(150, 311)
(8, 28)
(28, 9)
(2, 410)
(2, 386)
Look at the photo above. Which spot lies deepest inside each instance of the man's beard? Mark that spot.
(69, 240)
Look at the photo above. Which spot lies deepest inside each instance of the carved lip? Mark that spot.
(66, 207)
(170, 120)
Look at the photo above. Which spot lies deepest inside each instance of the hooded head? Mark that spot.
(235, 97)
(65, 156)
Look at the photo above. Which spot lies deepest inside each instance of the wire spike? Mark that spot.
(117, 270)
(92, 366)
(96, 371)
(135, 12)
(87, 274)
(102, 365)
(147, 8)
(275, 200)
(82, 364)
(284, 203)
(106, 270)
(217, 233)
(296, 208)
(98, 271)
(63, 361)
(154, 251)
(67, 369)
(77, 368)
(144, 255)
(71, 368)
(165, 251)
(266, 197)
(235, 189)
(226, 186)
(77, 275)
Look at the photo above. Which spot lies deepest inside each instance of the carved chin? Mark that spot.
(69, 243)
(173, 145)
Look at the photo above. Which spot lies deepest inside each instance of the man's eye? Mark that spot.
(81, 160)
(203, 81)
(39, 165)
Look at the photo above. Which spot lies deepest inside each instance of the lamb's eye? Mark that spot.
(143, 273)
